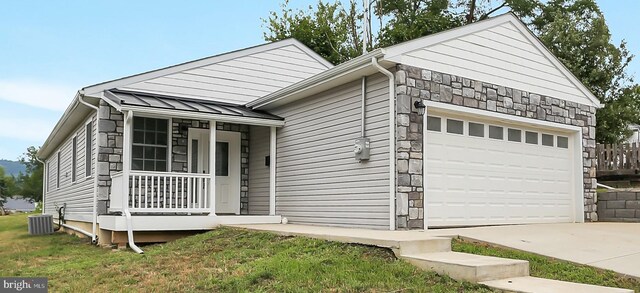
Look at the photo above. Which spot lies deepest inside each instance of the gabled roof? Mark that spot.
(499, 50)
(258, 67)
(234, 77)
(511, 49)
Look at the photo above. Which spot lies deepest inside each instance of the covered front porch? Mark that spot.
(190, 165)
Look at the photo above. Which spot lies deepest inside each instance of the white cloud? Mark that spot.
(37, 94)
(29, 129)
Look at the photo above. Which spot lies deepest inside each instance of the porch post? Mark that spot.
(212, 167)
(126, 157)
(272, 172)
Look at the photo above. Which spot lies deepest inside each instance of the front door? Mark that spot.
(227, 166)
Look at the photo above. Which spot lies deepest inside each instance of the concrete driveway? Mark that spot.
(613, 246)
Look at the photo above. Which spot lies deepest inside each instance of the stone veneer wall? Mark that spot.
(110, 141)
(110, 138)
(619, 206)
(414, 83)
(180, 132)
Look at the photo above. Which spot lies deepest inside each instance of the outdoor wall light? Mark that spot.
(420, 107)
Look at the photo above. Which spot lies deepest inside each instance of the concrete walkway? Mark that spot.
(613, 246)
(431, 250)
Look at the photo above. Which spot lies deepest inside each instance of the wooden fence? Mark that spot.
(617, 159)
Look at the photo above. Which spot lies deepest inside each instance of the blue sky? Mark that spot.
(50, 49)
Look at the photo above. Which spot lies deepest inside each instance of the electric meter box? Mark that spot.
(361, 149)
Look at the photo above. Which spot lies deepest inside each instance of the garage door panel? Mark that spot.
(483, 181)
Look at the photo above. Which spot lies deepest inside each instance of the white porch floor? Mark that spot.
(181, 222)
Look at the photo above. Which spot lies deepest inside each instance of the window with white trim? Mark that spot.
(547, 139)
(150, 144)
(563, 142)
(58, 171)
(455, 126)
(531, 137)
(74, 158)
(476, 129)
(496, 132)
(434, 123)
(88, 152)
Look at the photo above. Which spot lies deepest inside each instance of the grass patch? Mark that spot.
(222, 260)
(549, 268)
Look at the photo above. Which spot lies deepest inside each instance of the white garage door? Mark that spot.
(489, 172)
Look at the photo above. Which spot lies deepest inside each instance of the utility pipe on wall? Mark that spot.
(363, 106)
(392, 143)
(126, 166)
(94, 238)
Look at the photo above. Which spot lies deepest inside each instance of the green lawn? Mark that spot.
(545, 267)
(224, 260)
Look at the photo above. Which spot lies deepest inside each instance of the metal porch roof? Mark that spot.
(138, 99)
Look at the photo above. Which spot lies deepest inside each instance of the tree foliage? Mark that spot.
(573, 30)
(29, 184)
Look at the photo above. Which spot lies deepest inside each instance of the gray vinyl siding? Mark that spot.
(318, 180)
(239, 80)
(77, 195)
(258, 173)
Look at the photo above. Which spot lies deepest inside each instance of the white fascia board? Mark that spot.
(335, 73)
(394, 53)
(137, 110)
(96, 88)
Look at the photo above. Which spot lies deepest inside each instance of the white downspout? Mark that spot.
(392, 143)
(94, 239)
(45, 178)
(126, 167)
(363, 106)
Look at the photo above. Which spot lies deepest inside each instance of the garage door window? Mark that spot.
(433, 123)
(496, 132)
(476, 129)
(547, 139)
(531, 137)
(515, 135)
(455, 126)
(563, 142)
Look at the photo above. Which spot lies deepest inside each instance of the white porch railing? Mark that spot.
(162, 192)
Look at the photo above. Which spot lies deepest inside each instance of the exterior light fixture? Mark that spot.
(420, 107)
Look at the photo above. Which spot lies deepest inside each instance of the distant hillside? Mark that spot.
(12, 167)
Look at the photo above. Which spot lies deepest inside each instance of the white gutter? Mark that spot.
(44, 181)
(392, 143)
(205, 116)
(94, 223)
(363, 106)
(126, 167)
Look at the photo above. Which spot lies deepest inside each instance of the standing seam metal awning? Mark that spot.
(156, 101)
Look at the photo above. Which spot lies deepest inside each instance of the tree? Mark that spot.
(7, 187)
(30, 183)
(573, 30)
(330, 30)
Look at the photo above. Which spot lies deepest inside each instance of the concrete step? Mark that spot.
(535, 285)
(469, 267)
(433, 244)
